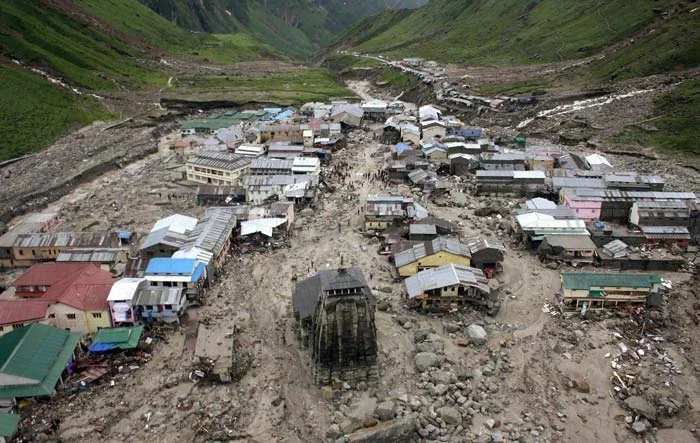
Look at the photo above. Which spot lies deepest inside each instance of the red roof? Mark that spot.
(86, 290)
(47, 274)
(19, 311)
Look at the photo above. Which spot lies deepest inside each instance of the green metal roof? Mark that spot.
(124, 338)
(8, 424)
(32, 359)
(587, 280)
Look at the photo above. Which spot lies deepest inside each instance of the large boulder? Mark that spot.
(450, 415)
(426, 360)
(477, 335)
(640, 406)
(385, 411)
(394, 431)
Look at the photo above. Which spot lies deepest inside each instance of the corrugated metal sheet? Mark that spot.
(481, 243)
(152, 296)
(271, 164)
(421, 229)
(617, 248)
(444, 276)
(589, 280)
(164, 236)
(211, 232)
(220, 160)
(64, 239)
(429, 248)
(96, 255)
(666, 232)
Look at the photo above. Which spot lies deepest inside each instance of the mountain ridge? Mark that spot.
(298, 28)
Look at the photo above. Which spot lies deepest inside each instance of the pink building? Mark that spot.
(586, 210)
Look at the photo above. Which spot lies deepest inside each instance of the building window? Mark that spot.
(70, 316)
(21, 252)
(149, 307)
(52, 315)
(2, 328)
(17, 326)
(96, 315)
(170, 307)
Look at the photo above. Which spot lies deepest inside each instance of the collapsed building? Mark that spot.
(335, 314)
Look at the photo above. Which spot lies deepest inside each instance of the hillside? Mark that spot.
(65, 63)
(296, 27)
(505, 31)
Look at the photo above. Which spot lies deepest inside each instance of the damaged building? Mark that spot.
(448, 286)
(335, 314)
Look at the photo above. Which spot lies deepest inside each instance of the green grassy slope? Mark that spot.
(511, 31)
(34, 113)
(671, 45)
(94, 45)
(674, 126)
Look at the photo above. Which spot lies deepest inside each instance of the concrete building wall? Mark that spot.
(434, 132)
(97, 320)
(215, 176)
(67, 317)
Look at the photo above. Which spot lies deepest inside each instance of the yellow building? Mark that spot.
(377, 224)
(432, 254)
(65, 316)
(436, 154)
(217, 168)
(540, 162)
(39, 247)
(594, 290)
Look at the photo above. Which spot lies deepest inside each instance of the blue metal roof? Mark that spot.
(197, 274)
(172, 266)
(401, 147)
(284, 115)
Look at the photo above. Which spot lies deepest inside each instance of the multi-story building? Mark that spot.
(217, 168)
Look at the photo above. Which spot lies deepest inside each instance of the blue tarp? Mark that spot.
(284, 115)
(124, 235)
(102, 347)
(401, 147)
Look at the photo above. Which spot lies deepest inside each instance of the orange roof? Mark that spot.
(18, 311)
(86, 290)
(47, 274)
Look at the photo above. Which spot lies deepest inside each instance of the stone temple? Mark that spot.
(335, 313)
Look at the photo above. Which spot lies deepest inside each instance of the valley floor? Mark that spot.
(539, 378)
